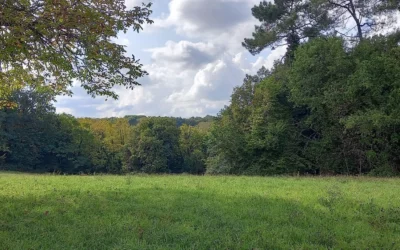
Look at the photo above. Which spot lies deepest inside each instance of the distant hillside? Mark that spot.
(135, 119)
(192, 121)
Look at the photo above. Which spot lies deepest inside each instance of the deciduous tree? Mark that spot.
(54, 42)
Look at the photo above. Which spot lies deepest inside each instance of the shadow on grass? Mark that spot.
(161, 218)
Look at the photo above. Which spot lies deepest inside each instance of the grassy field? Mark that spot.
(189, 212)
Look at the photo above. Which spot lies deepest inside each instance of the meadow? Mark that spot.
(198, 212)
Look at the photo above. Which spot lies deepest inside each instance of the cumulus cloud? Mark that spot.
(192, 16)
(176, 86)
(185, 53)
(193, 76)
(223, 22)
(214, 81)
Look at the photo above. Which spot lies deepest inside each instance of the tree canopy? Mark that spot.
(290, 22)
(331, 107)
(55, 42)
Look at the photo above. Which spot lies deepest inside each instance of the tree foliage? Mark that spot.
(332, 111)
(34, 138)
(291, 22)
(287, 22)
(154, 147)
(331, 107)
(193, 149)
(52, 43)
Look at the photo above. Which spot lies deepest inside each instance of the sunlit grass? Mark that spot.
(205, 212)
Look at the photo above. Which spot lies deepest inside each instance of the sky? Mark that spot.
(194, 58)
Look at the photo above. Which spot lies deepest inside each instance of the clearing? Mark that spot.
(198, 212)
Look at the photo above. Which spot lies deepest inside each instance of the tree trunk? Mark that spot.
(353, 13)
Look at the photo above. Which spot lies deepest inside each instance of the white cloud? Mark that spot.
(65, 110)
(205, 15)
(123, 41)
(185, 53)
(223, 22)
(175, 87)
(133, 3)
(193, 76)
(275, 55)
(215, 81)
(391, 23)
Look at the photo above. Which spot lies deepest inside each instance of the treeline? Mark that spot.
(192, 121)
(333, 110)
(331, 105)
(34, 138)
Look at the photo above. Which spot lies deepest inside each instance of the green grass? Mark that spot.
(189, 212)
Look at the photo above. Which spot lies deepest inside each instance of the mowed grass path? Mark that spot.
(204, 212)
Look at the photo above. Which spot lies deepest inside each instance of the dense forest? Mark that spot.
(329, 106)
(35, 138)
